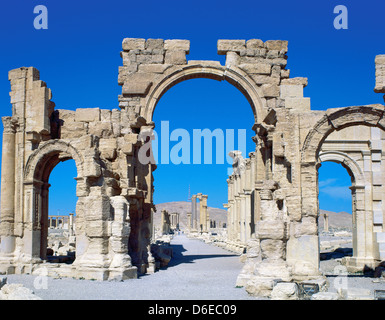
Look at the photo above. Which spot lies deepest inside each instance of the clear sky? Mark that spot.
(78, 57)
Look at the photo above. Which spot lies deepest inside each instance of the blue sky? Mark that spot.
(78, 57)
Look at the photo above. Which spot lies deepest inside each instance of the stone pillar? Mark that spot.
(248, 215)
(242, 221)
(189, 221)
(236, 218)
(326, 222)
(120, 266)
(71, 224)
(194, 225)
(205, 219)
(163, 221)
(7, 245)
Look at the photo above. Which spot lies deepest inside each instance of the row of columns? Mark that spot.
(199, 223)
(240, 205)
(58, 222)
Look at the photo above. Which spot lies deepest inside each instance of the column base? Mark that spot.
(355, 264)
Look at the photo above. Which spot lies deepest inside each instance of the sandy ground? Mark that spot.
(198, 271)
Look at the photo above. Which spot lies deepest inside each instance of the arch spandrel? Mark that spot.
(210, 70)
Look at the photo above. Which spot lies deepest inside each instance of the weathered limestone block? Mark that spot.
(100, 129)
(273, 249)
(224, 46)
(177, 45)
(133, 44)
(265, 79)
(291, 91)
(270, 229)
(298, 104)
(296, 81)
(232, 58)
(125, 72)
(258, 68)
(175, 57)
(285, 74)
(302, 256)
(325, 296)
(280, 45)
(270, 90)
(285, 291)
(380, 74)
(107, 148)
(87, 114)
(128, 143)
(138, 83)
(259, 286)
(254, 44)
(153, 68)
(16, 291)
(274, 269)
(154, 44)
(307, 226)
(129, 59)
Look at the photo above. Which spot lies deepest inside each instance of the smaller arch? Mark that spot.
(347, 162)
(42, 161)
(337, 119)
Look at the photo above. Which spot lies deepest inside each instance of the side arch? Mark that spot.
(347, 162)
(215, 71)
(337, 119)
(42, 161)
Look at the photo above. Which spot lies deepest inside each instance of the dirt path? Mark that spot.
(197, 271)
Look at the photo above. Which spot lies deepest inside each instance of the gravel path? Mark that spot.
(197, 271)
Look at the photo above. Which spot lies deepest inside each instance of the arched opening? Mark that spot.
(364, 147)
(37, 183)
(60, 223)
(335, 221)
(197, 123)
(210, 70)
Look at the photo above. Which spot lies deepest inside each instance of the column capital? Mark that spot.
(9, 124)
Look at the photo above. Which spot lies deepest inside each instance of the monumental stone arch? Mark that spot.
(366, 171)
(273, 194)
(211, 70)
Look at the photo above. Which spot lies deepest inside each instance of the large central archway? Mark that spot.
(211, 70)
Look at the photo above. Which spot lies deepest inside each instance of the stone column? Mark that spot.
(326, 222)
(236, 218)
(242, 222)
(248, 215)
(71, 225)
(163, 221)
(120, 266)
(194, 212)
(205, 215)
(7, 187)
(189, 221)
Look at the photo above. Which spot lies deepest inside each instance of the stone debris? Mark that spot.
(285, 291)
(15, 291)
(325, 296)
